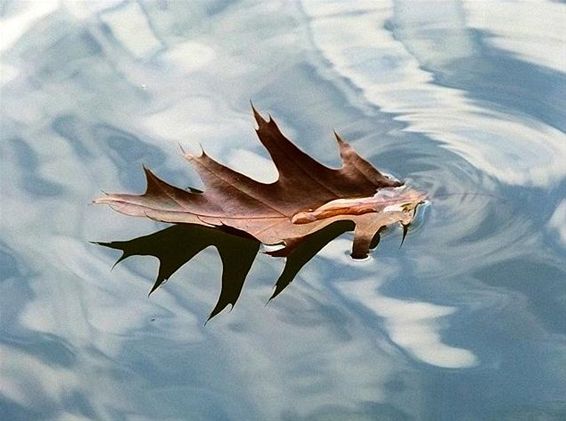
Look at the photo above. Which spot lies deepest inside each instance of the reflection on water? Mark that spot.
(176, 245)
(465, 321)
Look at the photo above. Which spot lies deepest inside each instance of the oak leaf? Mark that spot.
(306, 197)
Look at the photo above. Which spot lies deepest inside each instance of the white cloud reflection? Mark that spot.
(390, 74)
(557, 222)
(536, 34)
(413, 326)
(81, 115)
(28, 14)
(131, 28)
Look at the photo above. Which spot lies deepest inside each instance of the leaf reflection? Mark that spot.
(176, 245)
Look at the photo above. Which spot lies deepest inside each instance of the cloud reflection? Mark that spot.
(413, 326)
(479, 78)
(392, 55)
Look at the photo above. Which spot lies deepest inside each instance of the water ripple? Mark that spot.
(464, 99)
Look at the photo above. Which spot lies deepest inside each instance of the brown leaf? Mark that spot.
(307, 196)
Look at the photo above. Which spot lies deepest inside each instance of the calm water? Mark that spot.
(465, 322)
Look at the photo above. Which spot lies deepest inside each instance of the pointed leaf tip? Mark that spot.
(147, 171)
(405, 230)
(189, 155)
(120, 259)
(273, 295)
(212, 314)
(258, 118)
(338, 138)
(157, 284)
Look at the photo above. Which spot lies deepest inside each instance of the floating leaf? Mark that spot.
(308, 206)
(306, 197)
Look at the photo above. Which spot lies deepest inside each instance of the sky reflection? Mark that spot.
(465, 321)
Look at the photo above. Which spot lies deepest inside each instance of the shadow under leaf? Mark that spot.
(176, 245)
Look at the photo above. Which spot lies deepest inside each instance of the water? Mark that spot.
(465, 321)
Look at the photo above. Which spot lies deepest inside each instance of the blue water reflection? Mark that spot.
(465, 321)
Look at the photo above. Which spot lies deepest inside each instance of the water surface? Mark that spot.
(465, 321)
